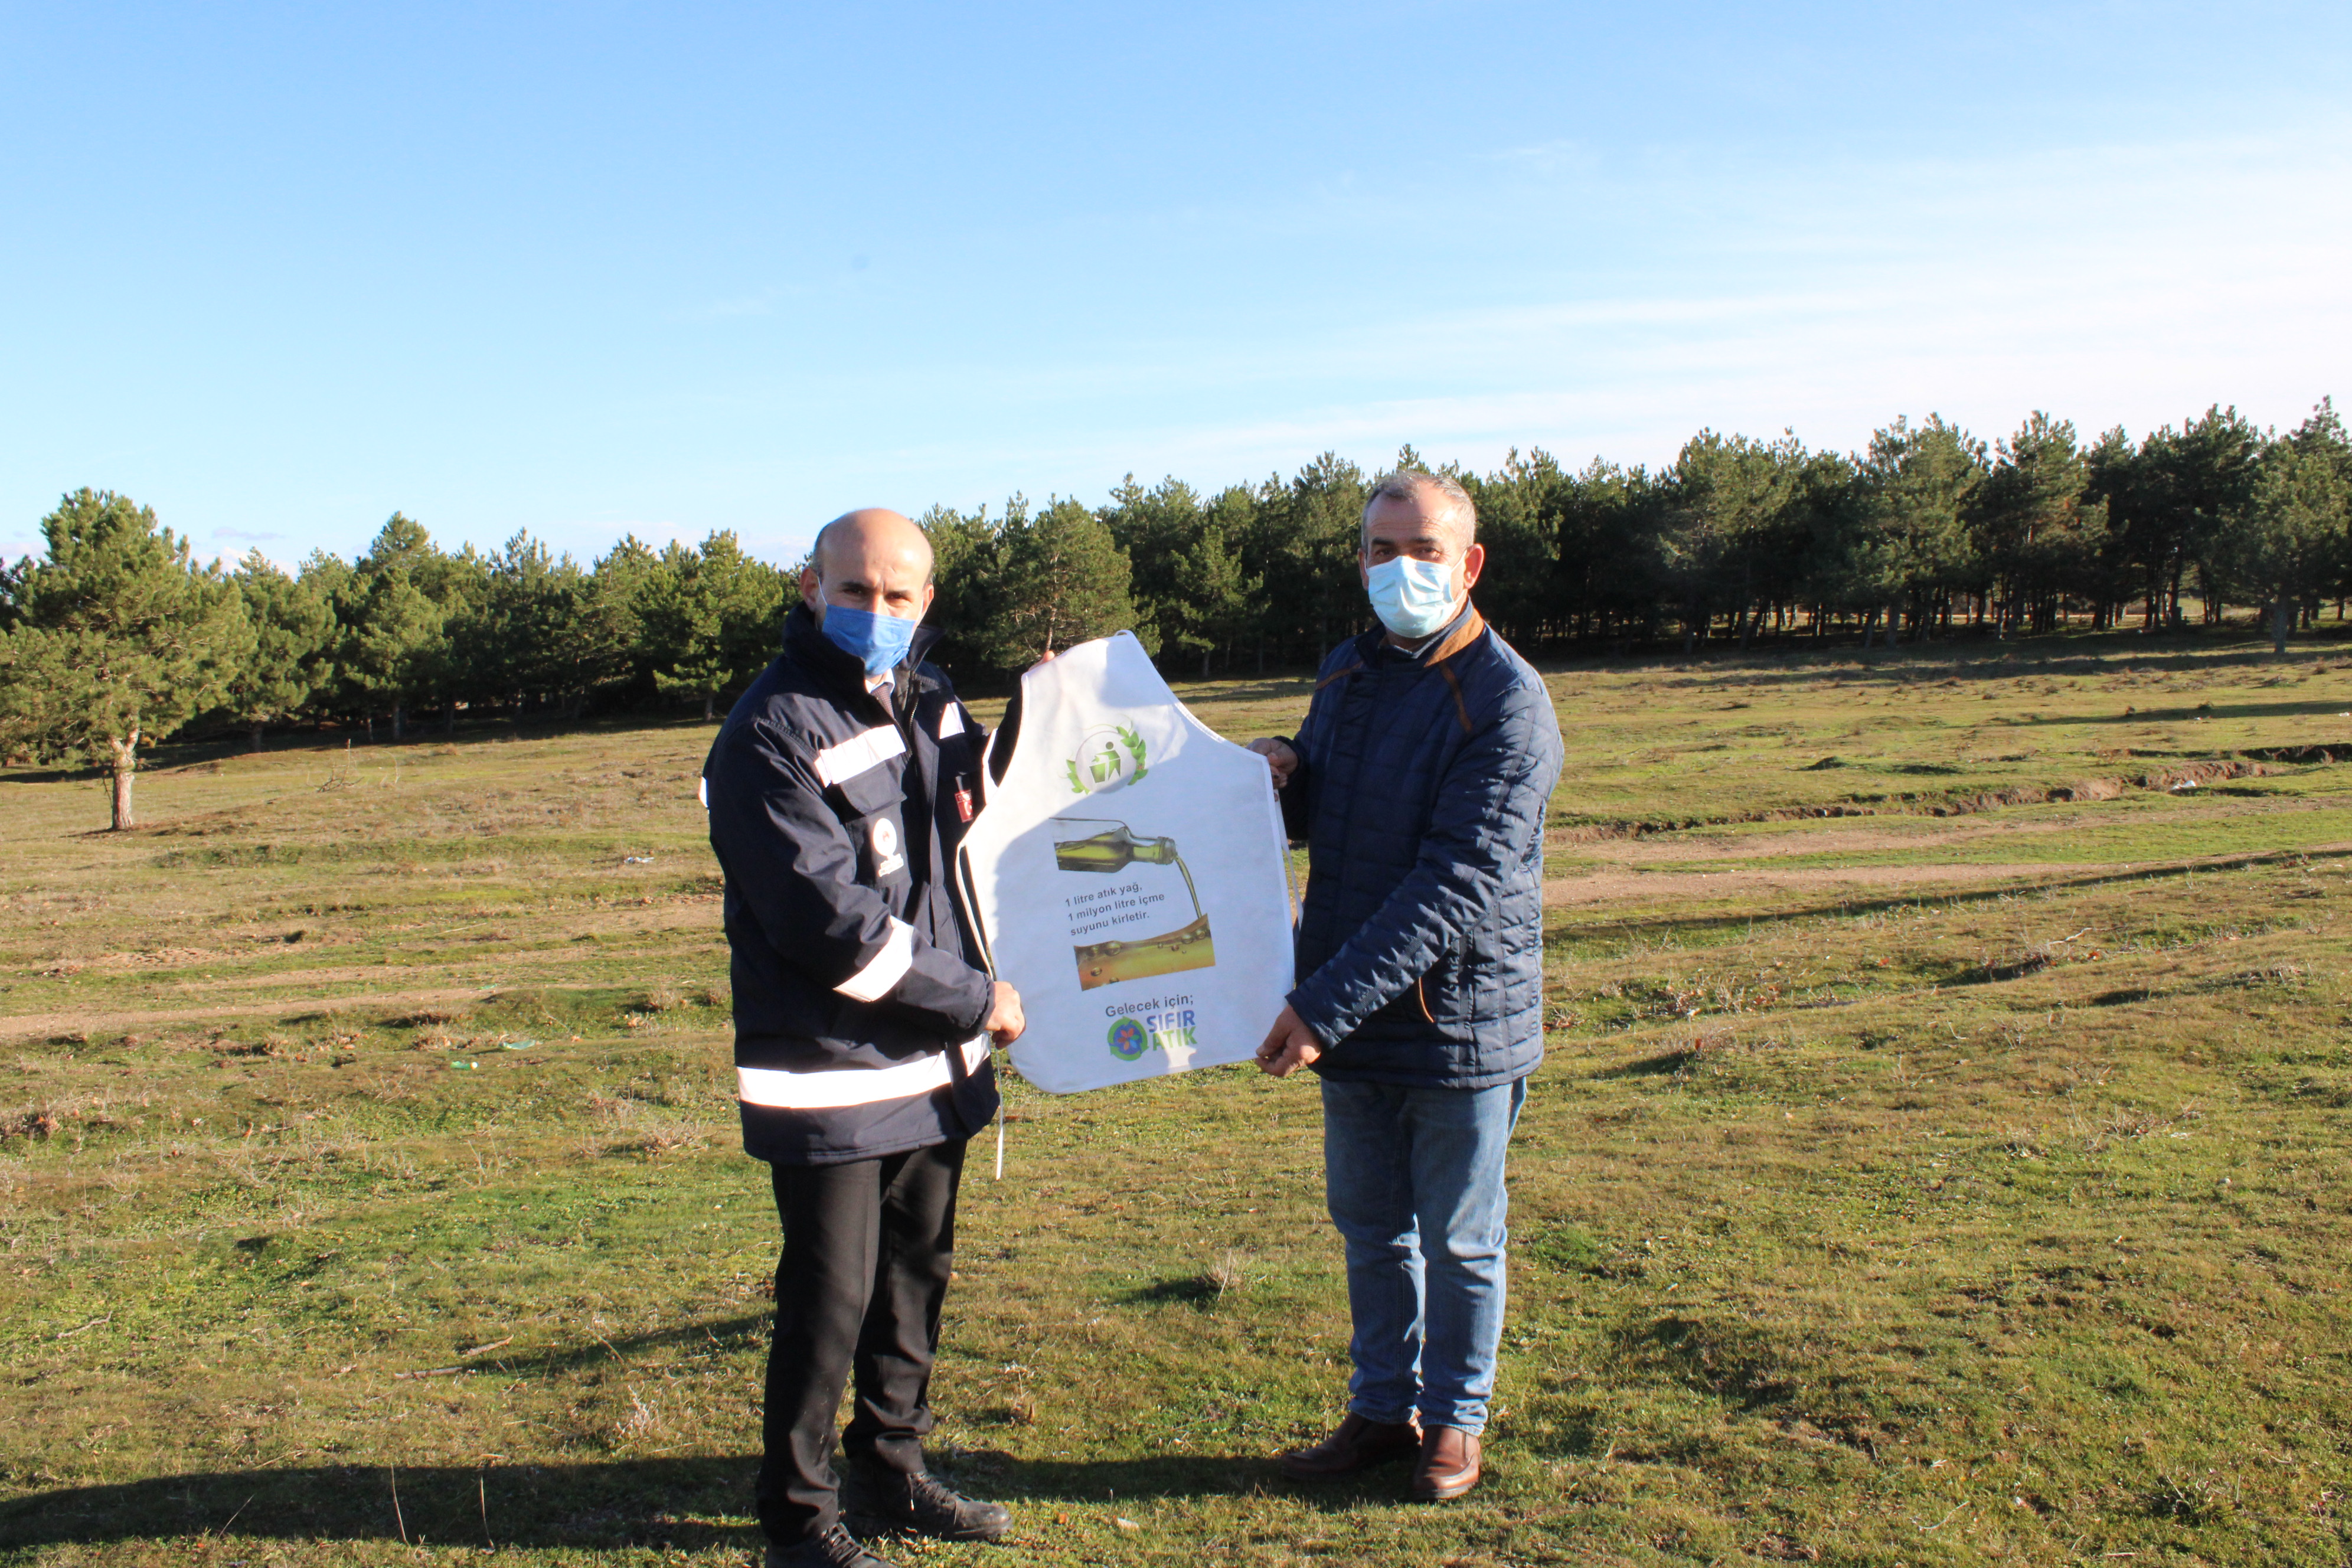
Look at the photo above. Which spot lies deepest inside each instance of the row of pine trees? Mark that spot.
(118, 638)
(1928, 532)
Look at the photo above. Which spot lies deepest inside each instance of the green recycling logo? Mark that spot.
(1129, 1041)
(1109, 757)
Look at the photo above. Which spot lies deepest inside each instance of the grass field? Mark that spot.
(1941, 1157)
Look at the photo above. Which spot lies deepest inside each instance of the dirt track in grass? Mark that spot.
(1605, 887)
(43, 1025)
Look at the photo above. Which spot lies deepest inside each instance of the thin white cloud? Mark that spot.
(759, 304)
(2131, 284)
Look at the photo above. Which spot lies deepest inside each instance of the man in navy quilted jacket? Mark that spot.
(1418, 783)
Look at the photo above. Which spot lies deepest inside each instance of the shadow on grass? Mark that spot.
(682, 1503)
(1255, 688)
(1194, 1290)
(2316, 709)
(678, 1502)
(1664, 1065)
(57, 776)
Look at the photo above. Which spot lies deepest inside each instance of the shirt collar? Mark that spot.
(1415, 651)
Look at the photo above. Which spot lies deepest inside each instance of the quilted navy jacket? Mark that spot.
(1420, 793)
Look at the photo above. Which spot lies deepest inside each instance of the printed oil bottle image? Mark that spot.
(1113, 848)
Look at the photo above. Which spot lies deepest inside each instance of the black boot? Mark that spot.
(879, 1501)
(834, 1549)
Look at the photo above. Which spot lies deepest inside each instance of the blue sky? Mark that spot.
(277, 270)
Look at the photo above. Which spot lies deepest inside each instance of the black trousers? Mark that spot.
(867, 1247)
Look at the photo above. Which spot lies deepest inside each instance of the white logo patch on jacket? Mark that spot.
(884, 835)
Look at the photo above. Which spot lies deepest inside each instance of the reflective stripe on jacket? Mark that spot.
(1420, 792)
(836, 821)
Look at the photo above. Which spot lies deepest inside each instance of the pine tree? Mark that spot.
(1728, 497)
(293, 652)
(2039, 535)
(1519, 523)
(1916, 485)
(1309, 538)
(2203, 476)
(1212, 600)
(966, 556)
(394, 646)
(1156, 528)
(119, 639)
(1065, 580)
(602, 621)
(713, 614)
(2285, 547)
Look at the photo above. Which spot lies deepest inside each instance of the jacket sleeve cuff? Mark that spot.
(1291, 798)
(944, 993)
(1316, 1015)
(987, 1000)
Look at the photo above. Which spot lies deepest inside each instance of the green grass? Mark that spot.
(1899, 1188)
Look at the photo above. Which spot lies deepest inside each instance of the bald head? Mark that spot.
(858, 532)
(871, 559)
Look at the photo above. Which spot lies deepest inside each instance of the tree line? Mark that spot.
(117, 636)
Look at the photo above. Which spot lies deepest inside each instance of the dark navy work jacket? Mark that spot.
(835, 820)
(1420, 793)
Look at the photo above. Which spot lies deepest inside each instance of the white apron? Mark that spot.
(1130, 879)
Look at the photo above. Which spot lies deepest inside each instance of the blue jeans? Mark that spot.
(1414, 1181)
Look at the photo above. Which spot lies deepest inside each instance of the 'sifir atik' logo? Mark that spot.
(1173, 1029)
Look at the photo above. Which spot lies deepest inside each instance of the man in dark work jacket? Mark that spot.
(838, 789)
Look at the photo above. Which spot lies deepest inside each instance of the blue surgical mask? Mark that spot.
(879, 642)
(1413, 598)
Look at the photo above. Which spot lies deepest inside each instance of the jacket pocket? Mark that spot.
(1448, 990)
(874, 821)
(876, 789)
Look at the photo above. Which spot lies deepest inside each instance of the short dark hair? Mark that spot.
(1411, 485)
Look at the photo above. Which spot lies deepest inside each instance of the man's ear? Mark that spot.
(813, 592)
(1473, 561)
(931, 591)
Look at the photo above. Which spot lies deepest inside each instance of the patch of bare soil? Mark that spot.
(2167, 779)
(342, 975)
(1826, 841)
(1603, 886)
(1701, 845)
(154, 958)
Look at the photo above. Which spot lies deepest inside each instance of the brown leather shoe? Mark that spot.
(1357, 1445)
(1448, 1466)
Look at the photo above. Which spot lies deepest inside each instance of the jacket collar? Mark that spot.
(1458, 634)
